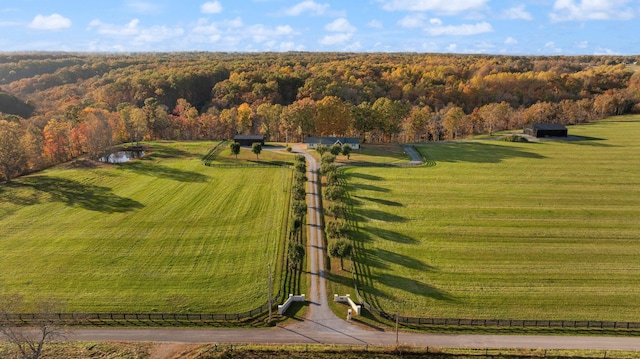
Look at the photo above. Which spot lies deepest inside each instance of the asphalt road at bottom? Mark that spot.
(289, 335)
(321, 326)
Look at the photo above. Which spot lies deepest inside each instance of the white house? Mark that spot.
(313, 142)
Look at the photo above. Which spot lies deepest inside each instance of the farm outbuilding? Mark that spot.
(249, 140)
(313, 142)
(540, 130)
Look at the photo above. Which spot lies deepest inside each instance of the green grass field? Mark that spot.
(160, 234)
(545, 230)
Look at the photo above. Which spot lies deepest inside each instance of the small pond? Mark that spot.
(121, 156)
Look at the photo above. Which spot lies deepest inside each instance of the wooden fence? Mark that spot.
(142, 318)
(500, 323)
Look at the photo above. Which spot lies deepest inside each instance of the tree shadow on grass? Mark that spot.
(401, 259)
(368, 187)
(365, 176)
(392, 236)
(384, 202)
(73, 193)
(584, 141)
(413, 286)
(12, 195)
(480, 152)
(160, 171)
(364, 215)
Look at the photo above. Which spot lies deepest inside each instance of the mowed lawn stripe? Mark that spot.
(544, 230)
(187, 238)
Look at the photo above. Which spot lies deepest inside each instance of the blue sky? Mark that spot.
(535, 27)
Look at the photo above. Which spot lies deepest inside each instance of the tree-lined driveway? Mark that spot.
(321, 326)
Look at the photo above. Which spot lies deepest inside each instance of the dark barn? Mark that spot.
(540, 130)
(249, 140)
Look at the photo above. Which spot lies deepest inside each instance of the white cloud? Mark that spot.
(51, 22)
(261, 33)
(550, 46)
(144, 7)
(510, 41)
(237, 22)
(582, 10)
(356, 46)
(442, 6)
(412, 21)
(156, 34)
(435, 21)
(452, 48)
(290, 46)
(582, 44)
(605, 51)
(484, 46)
(129, 29)
(340, 25)
(307, 6)
(137, 35)
(460, 30)
(375, 24)
(234, 35)
(211, 7)
(336, 39)
(517, 13)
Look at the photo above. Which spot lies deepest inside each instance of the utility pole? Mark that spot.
(270, 293)
(397, 316)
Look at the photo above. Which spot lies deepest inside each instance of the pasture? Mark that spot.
(160, 234)
(499, 230)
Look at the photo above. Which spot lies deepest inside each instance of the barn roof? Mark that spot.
(549, 126)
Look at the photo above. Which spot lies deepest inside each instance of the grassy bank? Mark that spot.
(544, 230)
(160, 234)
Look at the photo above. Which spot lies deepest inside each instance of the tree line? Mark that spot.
(82, 104)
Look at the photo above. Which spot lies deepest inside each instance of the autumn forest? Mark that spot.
(56, 107)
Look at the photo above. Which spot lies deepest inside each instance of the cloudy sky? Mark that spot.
(534, 27)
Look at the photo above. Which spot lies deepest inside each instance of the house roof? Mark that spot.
(332, 140)
(248, 137)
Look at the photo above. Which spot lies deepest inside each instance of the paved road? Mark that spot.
(415, 157)
(321, 326)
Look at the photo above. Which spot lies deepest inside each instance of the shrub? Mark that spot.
(346, 151)
(337, 210)
(299, 208)
(301, 167)
(300, 177)
(341, 249)
(328, 158)
(333, 192)
(327, 168)
(295, 253)
(333, 178)
(321, 149)
(335, 149)
(336, 229)
(299, 193)
(514, 138)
